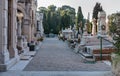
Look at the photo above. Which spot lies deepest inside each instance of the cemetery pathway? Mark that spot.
(55, 55)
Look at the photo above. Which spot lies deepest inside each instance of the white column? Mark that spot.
(14, 32)
(4, 54)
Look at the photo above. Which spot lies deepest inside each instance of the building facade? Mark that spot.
(8, 38)
(17, 26)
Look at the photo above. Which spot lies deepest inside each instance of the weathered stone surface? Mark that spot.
(55, 55)
(3, 68)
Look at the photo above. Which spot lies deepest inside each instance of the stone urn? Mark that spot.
(115, 64)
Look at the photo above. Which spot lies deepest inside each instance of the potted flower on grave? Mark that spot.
(115, 31)
(32, 46)
(40, 39)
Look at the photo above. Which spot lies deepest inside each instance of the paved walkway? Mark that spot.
(55, 55)
(54, 58)
(56, 73)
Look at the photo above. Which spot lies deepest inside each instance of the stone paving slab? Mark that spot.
(30, 53)
(20, 65)
(24, 57)
(63, 59)
(56, 73)
(55, 55)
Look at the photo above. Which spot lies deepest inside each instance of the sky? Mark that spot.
(109, 6)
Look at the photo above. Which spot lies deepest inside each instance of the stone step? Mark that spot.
(87, 57)
(24, 57)
(30, 53)
(57, 73)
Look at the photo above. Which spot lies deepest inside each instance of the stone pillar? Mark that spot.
(12, 26)
(14, 29)
(8, 51)
(4, 54)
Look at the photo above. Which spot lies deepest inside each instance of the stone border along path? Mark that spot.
(55, 55)
(56, 73)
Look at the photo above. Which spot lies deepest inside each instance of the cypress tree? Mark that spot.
(80, 19)
(97, 9)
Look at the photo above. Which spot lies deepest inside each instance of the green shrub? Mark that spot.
(115, 31)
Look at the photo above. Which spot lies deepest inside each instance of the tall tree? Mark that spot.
(52, 18)
(42, 9)
(80, 19)
(56, 19)
(65, 20)
(45, 23)
(97, 8)
(70, 12)
(52, 8)
(48, 19)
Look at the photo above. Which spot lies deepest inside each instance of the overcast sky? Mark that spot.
(109, 6)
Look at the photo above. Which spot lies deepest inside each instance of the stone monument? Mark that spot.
(102, 23)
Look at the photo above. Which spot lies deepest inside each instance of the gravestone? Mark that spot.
(102, 23)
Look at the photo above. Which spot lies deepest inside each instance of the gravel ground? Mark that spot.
(55, 55)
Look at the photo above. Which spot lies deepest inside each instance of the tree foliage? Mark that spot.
(56, 19)
(111, 24)
(97, 8)
(42, 9)
(52, 8)
(68, 12)
(89, 27)
(114, 26)
(80, 21)
(65, 21)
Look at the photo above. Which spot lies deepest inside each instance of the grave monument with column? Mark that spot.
(102, 23)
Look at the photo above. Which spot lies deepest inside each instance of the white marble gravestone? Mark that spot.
(102, 23)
